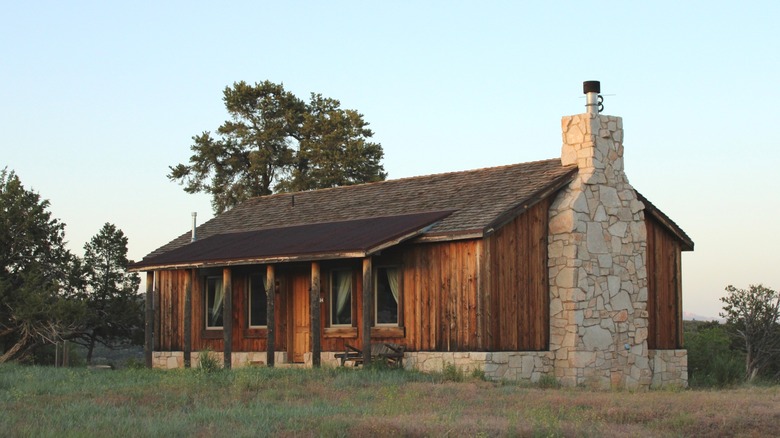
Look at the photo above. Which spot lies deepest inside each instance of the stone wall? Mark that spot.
(175, 359)
(509, 365)
(670, 368)
(597, 246)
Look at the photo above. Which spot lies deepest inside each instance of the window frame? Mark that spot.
(218, 281)
(332, 299)
(399, 311)
(263, 279)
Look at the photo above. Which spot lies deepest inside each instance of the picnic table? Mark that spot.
(392, 354)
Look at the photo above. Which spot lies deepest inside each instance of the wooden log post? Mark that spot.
(270, 291)
(149, 319)
(227, 317)
(316, 348)
(367, 306)
(189, 277)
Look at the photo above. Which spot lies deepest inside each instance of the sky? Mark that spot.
(98, 99)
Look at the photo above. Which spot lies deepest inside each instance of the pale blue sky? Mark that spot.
(97, 99)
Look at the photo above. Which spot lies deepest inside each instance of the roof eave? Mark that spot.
(550, 189)
(668, 223)
(139, 267)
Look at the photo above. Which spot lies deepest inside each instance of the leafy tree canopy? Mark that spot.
(275, 141)
(114, 308)
(38, 275)
(753, 315)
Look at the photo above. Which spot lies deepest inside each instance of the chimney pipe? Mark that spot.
(194, 224)
(591, 89)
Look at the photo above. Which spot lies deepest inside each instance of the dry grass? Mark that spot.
(279, 402)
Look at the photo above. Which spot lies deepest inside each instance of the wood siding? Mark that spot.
(487, 294)
(664, 291)
(517, 309)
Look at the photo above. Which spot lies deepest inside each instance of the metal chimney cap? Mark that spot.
(591, 87)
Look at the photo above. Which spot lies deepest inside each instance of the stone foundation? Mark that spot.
(175, 359)
(527, 366)
(670, 368)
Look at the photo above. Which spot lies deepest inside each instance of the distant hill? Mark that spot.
(689, 316)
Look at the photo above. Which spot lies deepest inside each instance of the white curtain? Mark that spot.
(344, 286)
(218, 295)
(392, 279)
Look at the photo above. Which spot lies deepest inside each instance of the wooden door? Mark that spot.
(301, 336)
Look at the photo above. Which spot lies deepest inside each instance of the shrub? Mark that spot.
(548, 381)
(452, 373)
(208, 362)
(711, 360)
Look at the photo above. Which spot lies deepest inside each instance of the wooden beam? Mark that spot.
(227, 317)
(149, 319)
(189, 277)
(270, 291)
(316, 348)
(367, 306)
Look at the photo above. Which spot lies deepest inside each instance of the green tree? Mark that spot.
(277, 142)
(753, 316)
(712, 359)
(114, 308)
(38, 275)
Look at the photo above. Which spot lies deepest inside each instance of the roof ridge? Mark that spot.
(407, 178)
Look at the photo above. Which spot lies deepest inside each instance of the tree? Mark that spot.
(114, 308)
(753, 315)
(38, 275)
(277, 142)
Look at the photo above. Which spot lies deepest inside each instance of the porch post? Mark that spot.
(189, 276)
(148, 318)
(227, 316)
(316, 348)
(367, 306)
(270, 291)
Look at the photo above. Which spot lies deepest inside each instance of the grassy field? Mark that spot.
(39, 401)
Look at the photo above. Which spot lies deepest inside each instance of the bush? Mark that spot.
(452, 373)
(711, 360)
(208, 362)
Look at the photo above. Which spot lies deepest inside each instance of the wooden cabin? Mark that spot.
(455, 267)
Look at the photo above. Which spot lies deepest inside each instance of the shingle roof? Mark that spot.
(328, 240)
(478, 199)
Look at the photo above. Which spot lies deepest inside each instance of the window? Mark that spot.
(258, 301)
(214, 297)
(386, 295)
(340, 298)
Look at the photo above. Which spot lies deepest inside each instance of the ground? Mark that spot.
(41, 401)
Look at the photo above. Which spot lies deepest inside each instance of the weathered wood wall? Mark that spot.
(664, 291)
(440, 282)
(515, 284)
(486, 294)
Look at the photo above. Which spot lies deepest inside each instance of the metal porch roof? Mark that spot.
(328, 240)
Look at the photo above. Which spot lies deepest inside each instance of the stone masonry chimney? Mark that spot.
(597, 248)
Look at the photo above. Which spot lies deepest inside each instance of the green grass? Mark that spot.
(257, 401)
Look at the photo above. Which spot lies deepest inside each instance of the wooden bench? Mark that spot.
(392, 354)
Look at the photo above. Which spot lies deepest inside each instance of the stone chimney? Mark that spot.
(597, 248)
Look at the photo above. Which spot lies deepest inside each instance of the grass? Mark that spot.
(39, 401)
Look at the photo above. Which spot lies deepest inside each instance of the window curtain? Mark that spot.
(218, 296)
(392, 280)
(344, 286)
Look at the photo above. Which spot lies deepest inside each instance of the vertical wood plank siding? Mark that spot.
(664, 290)
(467, 295)
(516, 256)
